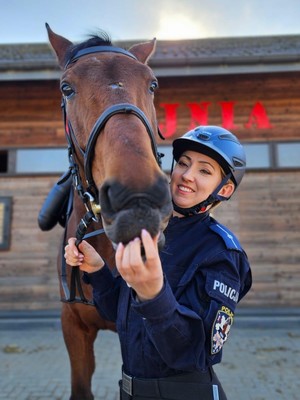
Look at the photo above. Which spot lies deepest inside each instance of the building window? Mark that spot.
(288, 155)
(5, 219)
(41, 161)
(260, 156)
(3, 161)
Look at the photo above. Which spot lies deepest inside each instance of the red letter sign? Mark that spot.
(258, 117)
(227, 109)
(199, 114)
(168, 128)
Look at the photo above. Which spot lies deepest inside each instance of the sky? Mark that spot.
(23, 21)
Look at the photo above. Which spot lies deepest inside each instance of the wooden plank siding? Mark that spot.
(264, 213)
(278, 93)
(28, 278)
(30, 114)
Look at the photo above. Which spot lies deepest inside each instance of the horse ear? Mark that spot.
(143, 51)
(59, 45)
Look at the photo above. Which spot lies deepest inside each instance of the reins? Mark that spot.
(88, 193)
(70, 288)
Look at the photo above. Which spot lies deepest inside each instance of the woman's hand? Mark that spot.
(87, 258)
(145, 276)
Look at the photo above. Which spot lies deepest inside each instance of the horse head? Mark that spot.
(108, 100)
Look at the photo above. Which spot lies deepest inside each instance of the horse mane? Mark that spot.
(102, 38)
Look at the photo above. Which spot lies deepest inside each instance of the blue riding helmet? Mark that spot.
(217, 143)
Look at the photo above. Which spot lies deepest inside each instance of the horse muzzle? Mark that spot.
(126, 212)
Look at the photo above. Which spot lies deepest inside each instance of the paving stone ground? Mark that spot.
(261, 361)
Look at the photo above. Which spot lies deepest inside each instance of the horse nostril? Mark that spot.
(109, 193)
(105, 196)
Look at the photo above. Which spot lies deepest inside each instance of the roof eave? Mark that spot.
(165, 69)
(225, 68)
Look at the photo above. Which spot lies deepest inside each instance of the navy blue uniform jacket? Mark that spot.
(185, 326)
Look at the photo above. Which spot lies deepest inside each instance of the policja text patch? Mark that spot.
(226, 290)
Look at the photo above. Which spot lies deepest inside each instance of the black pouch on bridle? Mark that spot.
(54, 209)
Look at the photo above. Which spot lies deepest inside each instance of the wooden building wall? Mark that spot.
(278, 95)
(30, 114)
(28, 277)
(264, 213)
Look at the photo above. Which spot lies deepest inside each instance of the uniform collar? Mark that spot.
(186, 221)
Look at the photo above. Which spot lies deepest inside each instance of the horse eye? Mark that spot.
(67, 90)
(153, 86)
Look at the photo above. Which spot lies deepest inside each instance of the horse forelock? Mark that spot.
(100, 39)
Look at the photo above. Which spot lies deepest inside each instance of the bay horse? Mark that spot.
(111, 128)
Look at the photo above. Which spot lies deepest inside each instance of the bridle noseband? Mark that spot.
(122, 108)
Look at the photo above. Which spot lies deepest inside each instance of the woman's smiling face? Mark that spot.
(194, 178)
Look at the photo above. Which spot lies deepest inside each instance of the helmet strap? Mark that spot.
(201, 207)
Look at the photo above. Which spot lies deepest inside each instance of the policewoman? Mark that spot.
(174, 309)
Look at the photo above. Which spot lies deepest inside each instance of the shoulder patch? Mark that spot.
(220, 329)
(228, 237)
(222, 288)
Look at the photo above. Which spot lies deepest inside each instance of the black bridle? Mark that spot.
(88, 192)
(122, 108)
(89, 195)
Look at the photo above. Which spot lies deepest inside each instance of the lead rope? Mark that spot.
(75, 282)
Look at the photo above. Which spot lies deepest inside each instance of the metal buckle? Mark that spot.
(127, 384)
(93, 206)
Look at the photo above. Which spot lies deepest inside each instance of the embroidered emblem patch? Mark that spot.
(220, 329)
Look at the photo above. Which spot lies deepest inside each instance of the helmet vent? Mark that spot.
(203, 136)
(238, 163)
(227, 136)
